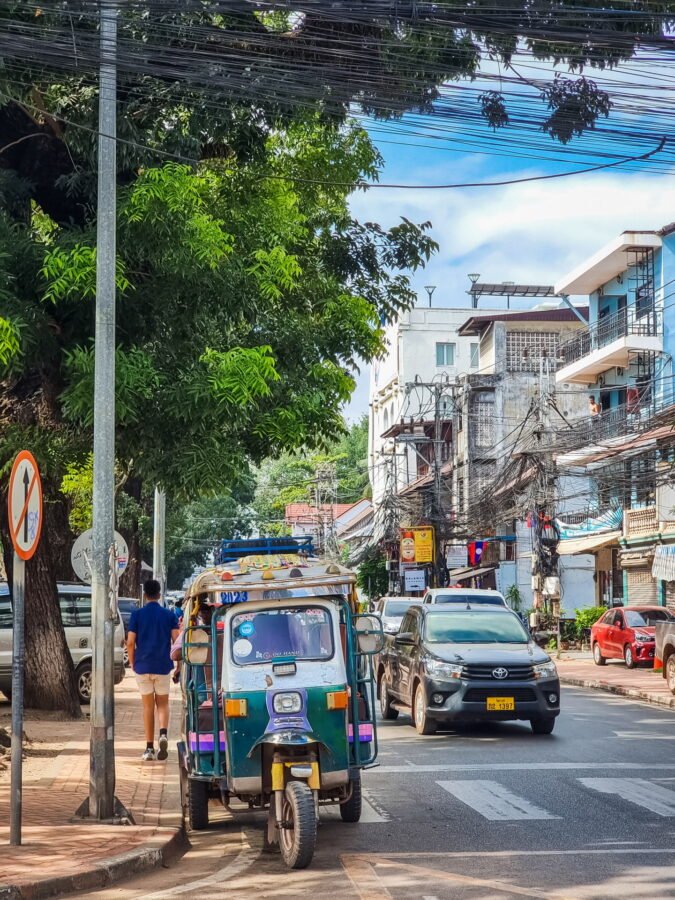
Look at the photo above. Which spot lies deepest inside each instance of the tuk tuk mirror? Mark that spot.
(369, 634)
(197, 645)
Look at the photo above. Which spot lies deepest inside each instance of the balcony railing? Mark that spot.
(639, 522)
(642, 320)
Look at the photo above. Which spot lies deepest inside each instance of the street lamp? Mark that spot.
(430, 288)
(473, 278)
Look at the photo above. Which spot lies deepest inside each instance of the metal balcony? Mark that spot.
(610, 342)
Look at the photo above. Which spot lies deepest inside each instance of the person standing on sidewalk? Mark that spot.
(152, 630)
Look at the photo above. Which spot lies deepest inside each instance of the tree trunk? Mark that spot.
(49, 671)
(130, 582)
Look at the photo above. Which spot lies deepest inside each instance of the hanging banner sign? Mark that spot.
(417, 545)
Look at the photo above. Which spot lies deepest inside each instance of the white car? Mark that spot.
(75, 604)
(474, 596)
(392, 609)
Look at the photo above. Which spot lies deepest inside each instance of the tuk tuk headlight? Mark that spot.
(287, 703)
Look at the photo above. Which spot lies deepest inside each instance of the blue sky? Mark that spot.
(529, 233)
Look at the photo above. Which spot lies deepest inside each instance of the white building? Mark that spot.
(424, 345)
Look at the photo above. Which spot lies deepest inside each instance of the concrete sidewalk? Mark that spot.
(59, 856)
(639, 684)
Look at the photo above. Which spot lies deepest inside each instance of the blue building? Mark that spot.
(623, 360)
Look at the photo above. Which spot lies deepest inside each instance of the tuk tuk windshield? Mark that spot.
(302, 632)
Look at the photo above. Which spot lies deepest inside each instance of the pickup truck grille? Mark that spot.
(480, 695)
(482, 673)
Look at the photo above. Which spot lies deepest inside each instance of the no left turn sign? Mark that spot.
(25, 505)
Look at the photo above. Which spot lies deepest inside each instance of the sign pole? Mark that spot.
(18, 655)
(24, 506)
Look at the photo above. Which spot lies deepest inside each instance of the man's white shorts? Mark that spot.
(154, 684)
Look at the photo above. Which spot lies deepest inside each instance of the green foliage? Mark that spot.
(78, 486)
(135, 381)
(586, 617)
(10, 345)
(241, 376)
(514, 598)
(71, 273)
(372, 576)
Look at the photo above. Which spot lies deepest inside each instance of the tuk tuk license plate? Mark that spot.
(501, 704)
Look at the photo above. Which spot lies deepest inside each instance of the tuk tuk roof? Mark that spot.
(269, 572)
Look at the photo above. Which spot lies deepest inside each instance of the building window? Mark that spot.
(484, 419)
(525, 350)
(385, 420)
(475, 356)
(445, 354)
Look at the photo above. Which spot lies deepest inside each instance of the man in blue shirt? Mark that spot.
(152, 630)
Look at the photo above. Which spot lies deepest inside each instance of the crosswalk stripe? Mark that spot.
(494, 801)
(647, 794)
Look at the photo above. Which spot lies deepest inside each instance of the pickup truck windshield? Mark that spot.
(476, 599)
(298, 632)
(467, 627)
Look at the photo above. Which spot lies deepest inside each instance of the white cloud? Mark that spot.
(530, 233)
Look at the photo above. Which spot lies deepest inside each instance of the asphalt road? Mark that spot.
(489, 812)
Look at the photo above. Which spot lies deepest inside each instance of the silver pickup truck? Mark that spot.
(664, 653)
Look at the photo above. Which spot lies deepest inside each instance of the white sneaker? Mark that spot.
(148, 755)
(163, 747)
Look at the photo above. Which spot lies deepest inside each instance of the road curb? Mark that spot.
(632, 693)
(154, 853)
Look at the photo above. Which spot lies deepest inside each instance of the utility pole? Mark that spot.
(159, 540)
(102, 746)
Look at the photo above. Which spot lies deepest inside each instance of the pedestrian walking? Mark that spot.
(152, 630)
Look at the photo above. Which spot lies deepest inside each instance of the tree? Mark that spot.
(291, 478)
(372, 576)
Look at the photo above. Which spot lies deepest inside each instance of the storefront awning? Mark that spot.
(587, 544)
(463, 574)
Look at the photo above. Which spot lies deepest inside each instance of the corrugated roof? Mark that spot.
(475, 324)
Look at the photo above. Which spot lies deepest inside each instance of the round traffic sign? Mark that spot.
(24, 501)
(83, 550)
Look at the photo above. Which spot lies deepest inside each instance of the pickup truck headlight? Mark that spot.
(644, 638)
(545, 670)
(438, 669)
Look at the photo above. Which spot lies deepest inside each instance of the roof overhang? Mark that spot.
(587, 544)
(607, 263)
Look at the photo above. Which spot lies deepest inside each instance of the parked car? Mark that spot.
(627, 633)
(75, 605)
(126, 606)
(466, 664)
(475, 596)
(392, 609)
(664, 654)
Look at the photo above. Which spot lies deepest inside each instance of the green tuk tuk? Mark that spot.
(279, 705)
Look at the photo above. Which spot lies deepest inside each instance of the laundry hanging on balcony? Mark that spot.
(608, 521)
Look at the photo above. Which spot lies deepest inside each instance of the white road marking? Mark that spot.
(639, 791)
(372, 813)
(242, 861)
(494, 801)
(640, 736)
(514, 767)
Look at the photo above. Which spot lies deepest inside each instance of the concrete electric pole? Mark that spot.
(102, 746)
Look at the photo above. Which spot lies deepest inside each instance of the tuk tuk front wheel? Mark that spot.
(198, 804)
(297, 830)
(350, 810)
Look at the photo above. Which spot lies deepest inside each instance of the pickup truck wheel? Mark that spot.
(423, 724)
(83, 681)
(670, 673)
(387, 711)
(628, 657)
(598, 658)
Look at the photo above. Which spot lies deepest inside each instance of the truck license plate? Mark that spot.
(501, 704)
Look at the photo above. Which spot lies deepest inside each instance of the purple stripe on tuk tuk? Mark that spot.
(365, 733)
(203, 743)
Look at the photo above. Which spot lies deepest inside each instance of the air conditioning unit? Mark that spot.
(552, 586)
